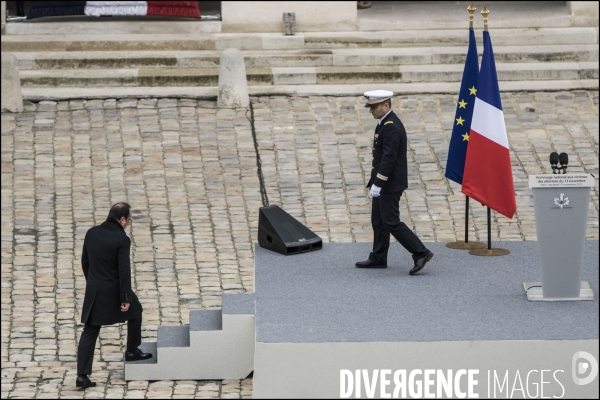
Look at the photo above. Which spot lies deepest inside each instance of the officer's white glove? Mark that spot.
(375, 190)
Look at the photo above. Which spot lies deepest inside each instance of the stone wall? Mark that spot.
(583, 13)
(267, 16)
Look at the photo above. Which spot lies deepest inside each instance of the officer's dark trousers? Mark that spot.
(87, 343)
(385, 218)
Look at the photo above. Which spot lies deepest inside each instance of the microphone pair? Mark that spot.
(555, 159)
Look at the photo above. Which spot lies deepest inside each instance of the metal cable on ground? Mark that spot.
(263, 191)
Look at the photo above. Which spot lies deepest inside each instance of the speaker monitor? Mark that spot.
(280, 232)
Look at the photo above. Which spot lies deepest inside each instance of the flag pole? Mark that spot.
(466, 245)
(471, 10)
(466, 219)
(489, 251)
(489, 224)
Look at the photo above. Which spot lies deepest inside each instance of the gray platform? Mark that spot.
(317, 312)
(313, 297)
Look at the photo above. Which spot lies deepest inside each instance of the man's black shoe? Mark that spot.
(84, 382)
(137, 355)
(420, 263)
(370, 264)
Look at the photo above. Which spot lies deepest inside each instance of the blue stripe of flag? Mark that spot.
(489, 91)
(457, 151)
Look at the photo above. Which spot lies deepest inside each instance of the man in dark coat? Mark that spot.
(388, 181)
(108, 295)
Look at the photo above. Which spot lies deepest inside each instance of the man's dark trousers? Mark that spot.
(385, 218)
(87, 343)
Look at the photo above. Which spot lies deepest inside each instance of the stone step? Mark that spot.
(306, 40)
(302, 75)
(300, 58)
(121, 25)
(210, 92)
(107, 42)
(451, 37)
(134, 77)
(506, 71)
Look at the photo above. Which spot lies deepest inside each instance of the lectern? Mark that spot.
(561, 205)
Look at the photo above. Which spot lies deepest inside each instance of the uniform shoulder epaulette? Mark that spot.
(388, 122)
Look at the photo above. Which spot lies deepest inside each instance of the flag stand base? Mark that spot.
(489, 252)
(461, 245)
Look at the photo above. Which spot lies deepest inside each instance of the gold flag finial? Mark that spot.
(471, 10)
(485, 13)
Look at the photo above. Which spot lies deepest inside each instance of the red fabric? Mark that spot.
(187, 9)
(490, 183)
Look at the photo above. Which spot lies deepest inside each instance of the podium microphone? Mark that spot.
(554, 161)
(564, 160)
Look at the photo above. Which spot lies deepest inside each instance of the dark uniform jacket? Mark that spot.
(389, 170)
(105, 263)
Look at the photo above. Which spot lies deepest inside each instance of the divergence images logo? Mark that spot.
(581, 367)
(561, 201)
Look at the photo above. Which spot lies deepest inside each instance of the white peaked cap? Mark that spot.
(377, 96)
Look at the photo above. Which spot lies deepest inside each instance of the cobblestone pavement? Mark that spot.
(190, 173)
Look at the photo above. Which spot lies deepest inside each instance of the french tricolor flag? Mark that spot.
(488, 173)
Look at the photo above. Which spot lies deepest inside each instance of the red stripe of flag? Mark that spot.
(488, 181)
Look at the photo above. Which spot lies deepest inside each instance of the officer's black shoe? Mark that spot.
(137, 355)
(84, 382)
(420, 263)
(370, 264)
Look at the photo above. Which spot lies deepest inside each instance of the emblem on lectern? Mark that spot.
(561, 201)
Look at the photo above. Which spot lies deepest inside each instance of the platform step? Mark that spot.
(206, 320)
(213, 346)
(147, 347)
(173, 336)
(300, 58)
(239, 303)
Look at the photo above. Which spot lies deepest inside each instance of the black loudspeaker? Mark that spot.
(280, 232)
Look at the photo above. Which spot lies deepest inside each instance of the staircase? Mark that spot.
(217, 344)
(336, 63)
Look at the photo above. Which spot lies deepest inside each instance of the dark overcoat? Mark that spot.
(107, 270)
(389, 168)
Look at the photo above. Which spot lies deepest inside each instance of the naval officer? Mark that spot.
(388, 181)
